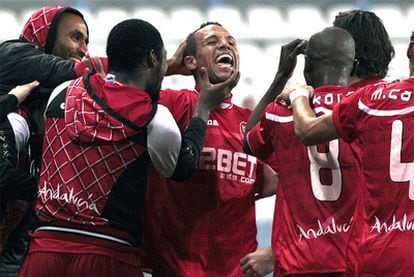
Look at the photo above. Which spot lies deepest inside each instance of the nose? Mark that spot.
(83, 47)
(224, 44)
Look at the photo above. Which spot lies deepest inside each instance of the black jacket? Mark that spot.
(20, 63)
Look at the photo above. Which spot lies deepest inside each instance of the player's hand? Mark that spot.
(284, 96)
(96, 65)
(214, 94)
(288, 56)
(21, 92)
(258, 263)
(176, 62)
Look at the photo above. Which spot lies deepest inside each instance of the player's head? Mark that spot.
(211, 46)
(135, 49)
(373, 48)
(410, 54)
(61, 31)
(330, 56)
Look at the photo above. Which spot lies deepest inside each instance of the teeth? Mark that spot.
(226, 58)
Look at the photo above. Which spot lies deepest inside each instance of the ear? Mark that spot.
(354, 67)
(190, 62)
(152, 59)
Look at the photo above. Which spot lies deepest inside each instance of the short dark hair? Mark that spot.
(129, 42)
(373, 48)
(191, 44)
(412, 37)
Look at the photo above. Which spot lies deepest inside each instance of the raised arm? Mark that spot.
(310, 129)
(287, 64)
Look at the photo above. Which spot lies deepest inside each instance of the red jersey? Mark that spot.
(379, 118)
(316, 195)
(204, 226)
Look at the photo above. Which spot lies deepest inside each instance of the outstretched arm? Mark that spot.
(287, 64)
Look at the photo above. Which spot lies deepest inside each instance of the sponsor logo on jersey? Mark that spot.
(234, 166)
(321, 229)
(212, 122)
(69, 195)
(403, 224)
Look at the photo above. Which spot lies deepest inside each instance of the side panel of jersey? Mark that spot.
(380, 119)
(204, 226)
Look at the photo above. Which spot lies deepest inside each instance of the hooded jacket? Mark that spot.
(101, 135)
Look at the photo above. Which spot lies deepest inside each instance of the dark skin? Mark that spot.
(330, 56)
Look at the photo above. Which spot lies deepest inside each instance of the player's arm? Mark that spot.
(266, 181)
(287, 64)
(310, 129)
(258, 263)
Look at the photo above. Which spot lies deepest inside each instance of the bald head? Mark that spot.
(330, 57)
(332, 46)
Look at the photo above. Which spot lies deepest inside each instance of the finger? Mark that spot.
(300, 48)
(204, 75)
(97, 65)
(246, 267)
(33, 84)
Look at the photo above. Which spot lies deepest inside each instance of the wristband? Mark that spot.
(299, 91)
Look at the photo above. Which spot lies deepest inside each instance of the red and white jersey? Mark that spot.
(204, 226)
(316, 194)
(380, 119)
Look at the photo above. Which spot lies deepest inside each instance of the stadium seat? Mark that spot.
(10, 23)
(184, 20)
(266, 22)
(333, 10)
(394, 20)
(251, 66)
(398, 68)
(156, 16)
(106, 19)
(231, 19)
(305, 20)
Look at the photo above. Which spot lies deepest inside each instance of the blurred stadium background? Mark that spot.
(260, 27)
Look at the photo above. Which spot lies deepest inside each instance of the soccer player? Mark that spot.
(203, 227)
(316, 195)
(379, 119)
(373, 47)
(101, 133)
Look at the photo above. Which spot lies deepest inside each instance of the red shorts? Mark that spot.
(57, 255)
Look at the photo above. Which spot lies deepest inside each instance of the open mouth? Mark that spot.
(225, 60)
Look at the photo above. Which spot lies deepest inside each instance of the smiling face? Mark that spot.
(217, 52)
(72, 38)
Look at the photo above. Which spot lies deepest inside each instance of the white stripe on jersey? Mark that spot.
(376, 112)
(289, 118)
(277, 118)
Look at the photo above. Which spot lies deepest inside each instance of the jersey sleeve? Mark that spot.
(346, 117)
(173, 155)
(258, 138)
